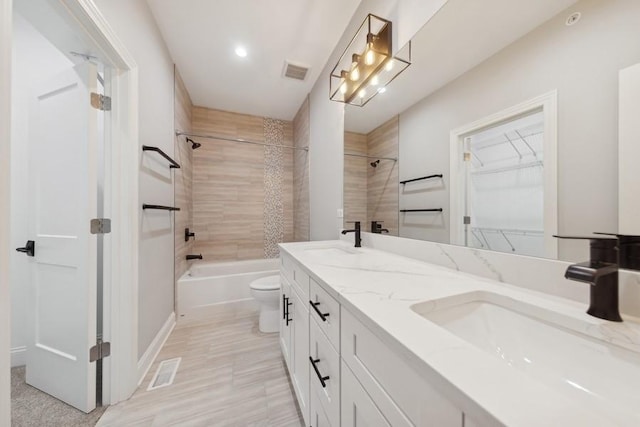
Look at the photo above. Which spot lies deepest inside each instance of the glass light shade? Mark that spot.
(367, 64)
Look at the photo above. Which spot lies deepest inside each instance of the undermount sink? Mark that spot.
(564, 353)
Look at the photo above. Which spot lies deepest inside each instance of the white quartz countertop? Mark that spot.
(379, 288)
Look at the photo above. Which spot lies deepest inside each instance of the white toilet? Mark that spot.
(266, 291)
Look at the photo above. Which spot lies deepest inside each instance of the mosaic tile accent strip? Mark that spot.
(273, 199)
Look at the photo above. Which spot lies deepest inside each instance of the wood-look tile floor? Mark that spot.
(231, 374)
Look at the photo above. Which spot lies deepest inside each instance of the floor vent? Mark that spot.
(165, 374)
(293, 71)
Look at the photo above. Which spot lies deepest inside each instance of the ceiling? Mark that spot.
(460, 36)
(202, 36)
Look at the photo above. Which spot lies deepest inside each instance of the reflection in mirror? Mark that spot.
(528, 49)
(371, 178)
(504, 187)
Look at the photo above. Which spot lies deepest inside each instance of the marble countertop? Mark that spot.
(379, 288)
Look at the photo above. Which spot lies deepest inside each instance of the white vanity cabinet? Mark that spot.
(400, 394)
(285, 330)
(294, 329)
(342, 373)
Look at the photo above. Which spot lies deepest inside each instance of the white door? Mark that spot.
(63, 188)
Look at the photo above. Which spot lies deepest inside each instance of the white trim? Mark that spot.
(548, 102)
(121, 246)
(149, 356)
(18, 356)
(6, 19)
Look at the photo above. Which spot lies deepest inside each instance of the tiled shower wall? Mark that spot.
(301, 174)
(183, 194)
(355, 179)
(239, 189)
(382, 181)
(372, 193)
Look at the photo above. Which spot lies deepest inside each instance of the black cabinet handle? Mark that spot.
(315, 368)
(29, 248)
(322, 315)
(284, 306)
(287, 313)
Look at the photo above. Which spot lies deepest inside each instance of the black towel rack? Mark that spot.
(172, 163)
(421, 178)
(421, 210)
(160, 207)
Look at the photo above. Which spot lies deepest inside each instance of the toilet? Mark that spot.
(266, 291)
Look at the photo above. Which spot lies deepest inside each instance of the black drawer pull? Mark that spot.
(287, 313)
(322, 315)
(284, 306)
(315, 368)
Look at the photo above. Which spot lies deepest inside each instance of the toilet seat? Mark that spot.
(269, 283)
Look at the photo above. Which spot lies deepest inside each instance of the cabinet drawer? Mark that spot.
(286, 266)
(324, 371)
(403, 396)
(325, 310)
(318, 416)
(358, 410)
(298, 278)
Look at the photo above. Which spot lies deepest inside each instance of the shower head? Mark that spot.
(375, 164)
(194, 144)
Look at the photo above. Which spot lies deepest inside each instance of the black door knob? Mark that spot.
(29, 248)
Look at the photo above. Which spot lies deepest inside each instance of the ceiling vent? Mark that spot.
(294, 71)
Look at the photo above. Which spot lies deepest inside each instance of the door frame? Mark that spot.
(120, 373)
(548, 103)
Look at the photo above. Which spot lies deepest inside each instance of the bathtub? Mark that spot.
(207, 284)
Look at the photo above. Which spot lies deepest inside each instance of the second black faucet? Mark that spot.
(355, 230)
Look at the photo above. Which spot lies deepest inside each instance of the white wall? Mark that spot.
(629, 151)
(582, 62)
(34, 59)
(133, 23)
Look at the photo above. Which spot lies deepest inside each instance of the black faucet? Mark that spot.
(357, 231)
(601, 271)
(376, 227)
(192, 257)
(187, 234)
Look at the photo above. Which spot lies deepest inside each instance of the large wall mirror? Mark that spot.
(502, 132)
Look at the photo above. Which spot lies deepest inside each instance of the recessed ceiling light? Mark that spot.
(241, 51)
(573, 19)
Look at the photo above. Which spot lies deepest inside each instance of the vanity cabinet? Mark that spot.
(285, 319)
(294, 329)
(358, 410)
(342, 373)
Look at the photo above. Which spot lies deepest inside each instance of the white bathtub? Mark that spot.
(220, 283)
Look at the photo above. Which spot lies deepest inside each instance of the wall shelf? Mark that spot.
(172, 163)
(159, 207)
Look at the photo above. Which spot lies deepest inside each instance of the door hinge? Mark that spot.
(99, 351)
(100, 102)
(466, 157)
(466, 220)
(100, 226)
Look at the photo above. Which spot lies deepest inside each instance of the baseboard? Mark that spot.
(149, 356)
(18, 356)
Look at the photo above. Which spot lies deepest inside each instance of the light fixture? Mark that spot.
(241, 51)
(367, 65)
